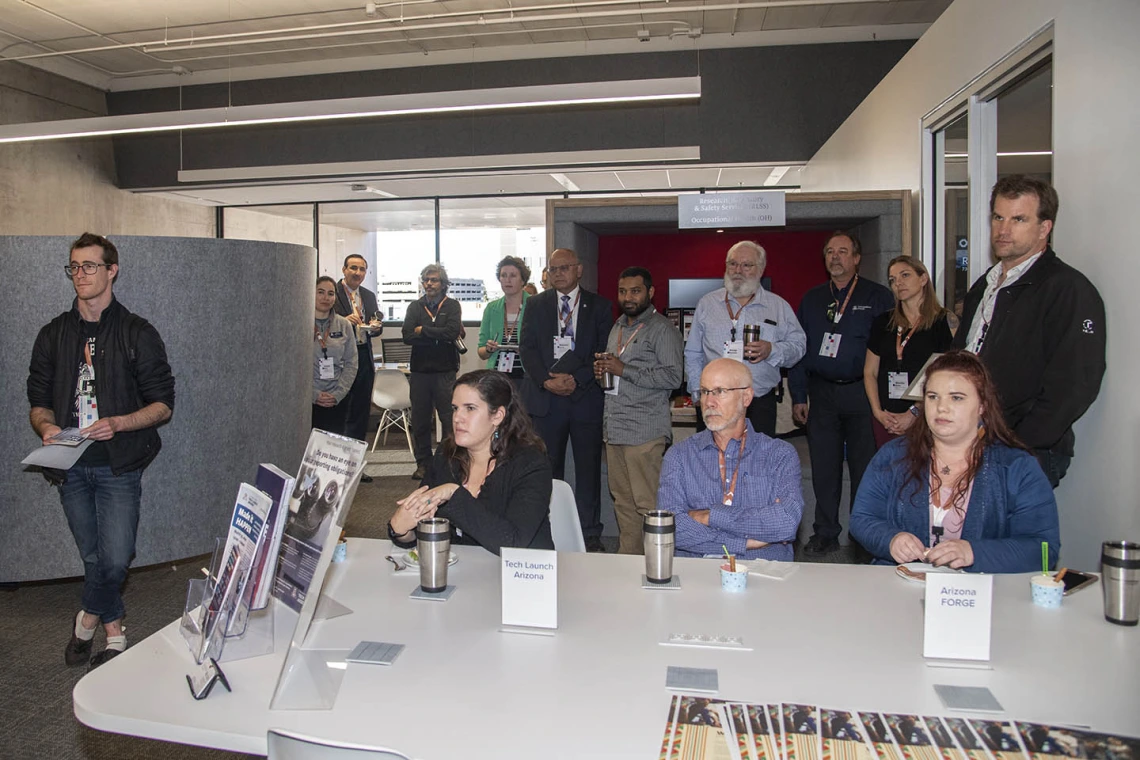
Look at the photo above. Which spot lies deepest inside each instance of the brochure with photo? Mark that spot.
(700, 730)
(967, 740)
(840, 736)
(942, 739)
(764, 742)
(910, 733)
(999, 737)
(670, 729)
(801, 731)
(278, 485)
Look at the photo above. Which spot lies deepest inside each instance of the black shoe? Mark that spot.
(365, 478)
(419, 473)
(102, 657)
(78, 652)
(595, 545)
(820, 546)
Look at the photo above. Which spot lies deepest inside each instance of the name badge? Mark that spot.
(614, 391)
(829, 346)
(897, 383)
(734, 350)
(337, 334)
(325, 369)
(562, 344)
(506, 362)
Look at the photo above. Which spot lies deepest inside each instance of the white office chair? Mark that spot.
(565, 527)
(391, 393)
(288, 745)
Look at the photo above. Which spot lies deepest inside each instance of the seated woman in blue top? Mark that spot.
(491, 477)
(958, 489)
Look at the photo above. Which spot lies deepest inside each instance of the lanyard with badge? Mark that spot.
(358, 311)
(437, 309)
(733, 348)
(829, 346)
(325, 370)
(729, 489)
(898, 382)
(507, 359)
(88, 410)
(562, 341)
(622, 345)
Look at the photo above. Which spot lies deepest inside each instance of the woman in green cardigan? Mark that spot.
(502, 319)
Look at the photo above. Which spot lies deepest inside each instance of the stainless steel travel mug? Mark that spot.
(433, 542)
(607, 381)
(751, 333)
(1120, 577)
(659, 531)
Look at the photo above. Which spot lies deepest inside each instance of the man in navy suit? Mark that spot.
(358, 304)
(562, 330)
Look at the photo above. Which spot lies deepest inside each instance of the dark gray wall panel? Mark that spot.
(757, 104)
(236, 319)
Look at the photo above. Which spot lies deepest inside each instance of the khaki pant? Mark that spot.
(634, 473)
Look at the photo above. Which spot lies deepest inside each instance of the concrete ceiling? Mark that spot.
(132, 44)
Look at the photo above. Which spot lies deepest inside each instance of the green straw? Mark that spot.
(1044, 557)
(726, 552)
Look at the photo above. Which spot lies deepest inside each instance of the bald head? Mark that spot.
(725, 373)
(565, 270)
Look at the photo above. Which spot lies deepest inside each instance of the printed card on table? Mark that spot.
(910, 733)
(1000, 738)
(841, 738)
(940, 735)
(764, 743)
(879, 736)
(777, 724)
(801, 731)
(968, 740)
(700, 731)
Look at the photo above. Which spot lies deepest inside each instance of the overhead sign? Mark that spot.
(530, 588)
(715, 210)
(958, 608)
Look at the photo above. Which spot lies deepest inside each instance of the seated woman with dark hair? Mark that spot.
(491, 477)
(958, 489)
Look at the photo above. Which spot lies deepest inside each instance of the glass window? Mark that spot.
(1025, 126)
(954, 210)
(476, 233)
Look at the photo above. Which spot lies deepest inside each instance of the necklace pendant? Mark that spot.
(946, 470)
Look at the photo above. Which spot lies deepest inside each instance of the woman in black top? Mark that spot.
(491, 478)
(901, 341)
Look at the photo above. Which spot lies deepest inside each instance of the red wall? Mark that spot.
(795, 260)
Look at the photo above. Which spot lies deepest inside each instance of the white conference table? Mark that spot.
(836, 636)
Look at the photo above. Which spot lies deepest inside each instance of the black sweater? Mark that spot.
(433, 350)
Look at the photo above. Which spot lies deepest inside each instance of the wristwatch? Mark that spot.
(914, 410)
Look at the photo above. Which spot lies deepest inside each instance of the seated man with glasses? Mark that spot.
(730, 486)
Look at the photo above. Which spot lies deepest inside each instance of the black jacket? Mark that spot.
(540, 325)
(433, 350)
(1044, 348)
(131, 372)
(512, 508)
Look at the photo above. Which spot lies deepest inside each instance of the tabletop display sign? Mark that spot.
(530, 589)
(717, 210)
(958, 612)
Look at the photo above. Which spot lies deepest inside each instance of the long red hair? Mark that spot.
(919, 454)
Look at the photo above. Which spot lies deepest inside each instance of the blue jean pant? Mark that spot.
(103, 512)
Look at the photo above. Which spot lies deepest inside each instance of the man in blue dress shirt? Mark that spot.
(729, 485)
(837, 317)
(718, 331)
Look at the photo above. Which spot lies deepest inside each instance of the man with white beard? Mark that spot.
(718, 331)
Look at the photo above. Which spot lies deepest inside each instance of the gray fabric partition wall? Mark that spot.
(236, 319)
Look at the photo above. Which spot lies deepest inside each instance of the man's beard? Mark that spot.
(637, 311)
(744, 289)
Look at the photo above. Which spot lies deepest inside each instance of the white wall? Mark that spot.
(1096, 114)
(67, 187)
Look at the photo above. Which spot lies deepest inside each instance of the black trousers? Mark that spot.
(560, 424)
(1054, 465)
(839, 419)
(430, 391)
(761, 413)
(358, 402)
(331, 418)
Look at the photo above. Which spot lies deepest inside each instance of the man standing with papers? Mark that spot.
(102, 369)
(730, 486)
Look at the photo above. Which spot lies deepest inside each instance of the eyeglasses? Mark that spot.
(718, 393)
(431, 281)
(88, 267)
(560, 270)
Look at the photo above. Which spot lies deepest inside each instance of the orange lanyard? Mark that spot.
(622, 346)
(437, 308)
(352, 301)
(900, 341)
(734, 318)
(729, 489)
(569, 318)
(843, 308)
(509, 330)
(323, 338)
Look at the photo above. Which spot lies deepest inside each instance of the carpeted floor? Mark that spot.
(35, 687)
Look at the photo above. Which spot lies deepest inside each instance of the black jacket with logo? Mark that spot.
(1044, 348)
(131, 371)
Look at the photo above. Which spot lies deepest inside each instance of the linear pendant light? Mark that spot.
(460, 101)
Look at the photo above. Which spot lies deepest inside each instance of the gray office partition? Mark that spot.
(236, 319)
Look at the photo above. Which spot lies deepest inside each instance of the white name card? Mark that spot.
(530, 588)
(958, 607)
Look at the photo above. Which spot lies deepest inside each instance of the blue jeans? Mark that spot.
(103, 512)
